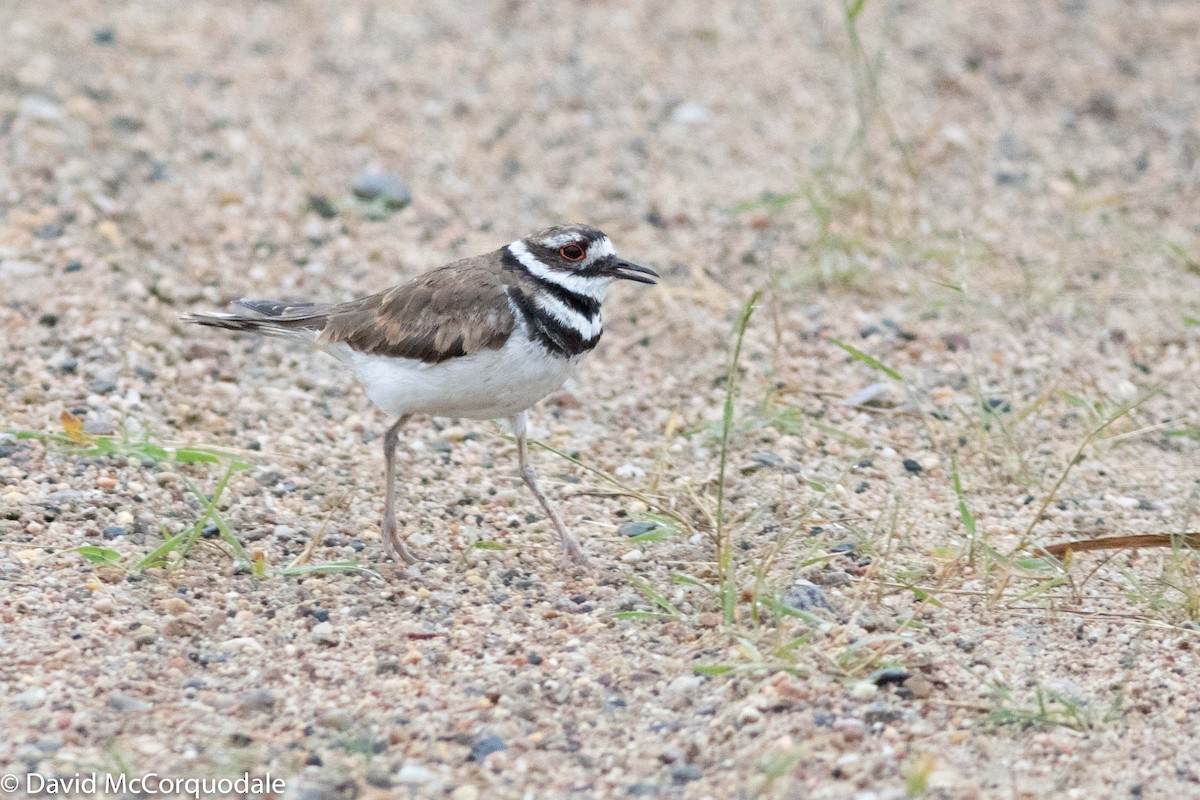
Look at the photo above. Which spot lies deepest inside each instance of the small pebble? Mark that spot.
(851, 729)
(685, 683)
(19, 269)
(454, 433)
(636, 528)
(175, 606)
(144, 635)
(414, 775)
(863, 690)
(832, 577)
(323, 633)
(484, 746)
(691, 114)
(880, 713)
(384, 186)
(805, 596)
(379, 779)
(685, 773)
(118, 701)
(257, 700)
(748, 715)
(30, 698)
(889, 676)
(876, 395)
(322, 207)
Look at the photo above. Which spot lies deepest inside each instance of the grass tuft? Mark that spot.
(175, 549)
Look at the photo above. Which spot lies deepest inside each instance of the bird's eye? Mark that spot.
(572, 252)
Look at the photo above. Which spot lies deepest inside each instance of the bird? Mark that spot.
(485, 337)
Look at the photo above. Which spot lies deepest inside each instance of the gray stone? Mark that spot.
(30, 698)
(889, 676)
(415, 775)
(322, 788)
(881, 713)
(484, 746)
(877, 395)
(123, 702)
(324, 633)
(40, 109)
(636, 528)
(19, 269)
(63, 496)
(256, 700)
(805, 596)
(685, 773)
(691, 114)
(387, 187)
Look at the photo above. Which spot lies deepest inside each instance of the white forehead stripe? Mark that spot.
(561, 240)
(600, 248)
(593, 287)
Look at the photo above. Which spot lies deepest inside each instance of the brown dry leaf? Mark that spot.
(73, 428)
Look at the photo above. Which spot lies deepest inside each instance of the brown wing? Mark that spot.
(453, 311)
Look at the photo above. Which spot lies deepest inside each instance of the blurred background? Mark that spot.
(215, 144)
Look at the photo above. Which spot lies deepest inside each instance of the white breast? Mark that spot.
(486, 385)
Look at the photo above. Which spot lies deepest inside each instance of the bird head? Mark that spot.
(580, 251)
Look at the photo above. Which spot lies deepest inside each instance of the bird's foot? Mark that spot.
(395, 545)
(573, 553)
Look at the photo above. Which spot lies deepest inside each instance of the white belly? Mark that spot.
(486, 385)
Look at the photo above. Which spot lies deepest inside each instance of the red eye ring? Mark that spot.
(572, 252)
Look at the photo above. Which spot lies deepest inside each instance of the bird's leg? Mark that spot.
(391, 539)
(571, 549)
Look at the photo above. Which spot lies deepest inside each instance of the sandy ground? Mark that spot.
(999, 202)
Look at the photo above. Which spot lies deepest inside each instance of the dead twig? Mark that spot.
(1131, 542)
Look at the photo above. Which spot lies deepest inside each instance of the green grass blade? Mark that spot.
(484, 544)
(713, 669)
(656, 596)
(97, 555)
(725, 568)
(870, 361)
(641, 615)
(158, 556)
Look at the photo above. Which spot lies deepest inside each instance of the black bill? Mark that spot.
(633, 272)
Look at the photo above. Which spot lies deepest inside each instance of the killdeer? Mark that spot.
(482, 338)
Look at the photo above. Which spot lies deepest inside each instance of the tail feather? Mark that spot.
(268, 318)
(279, 308)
